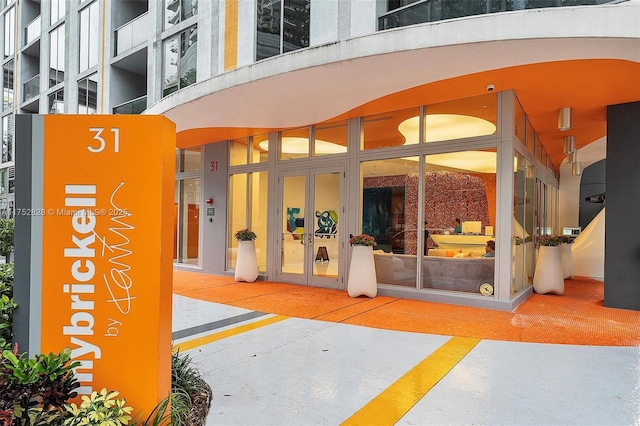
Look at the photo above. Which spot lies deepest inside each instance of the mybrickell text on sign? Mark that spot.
(94, 222)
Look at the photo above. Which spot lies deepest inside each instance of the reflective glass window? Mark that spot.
(268, 30)
(238, 152)
(189, 159)
(176, 11)
(56, 102)
(294, 144)
(88, 95)
(390, 214)
(247, 204)
(390, 129)
(187, 221)
(531, 137)
(259, 149)
(56, 56)
(520, 122)
(9, 32)
(188, 56)
(7, 138)
(460, 217)
(522, 242)
(180, 61)
(89, 36)
(57, 10)
(330, 138)
(4, 182)
(7, 85)
(282, 26)
(295, 31)
(463, 118)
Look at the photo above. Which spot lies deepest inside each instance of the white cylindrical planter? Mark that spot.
(567, 260)
(246, 262)
(548, 277)
(362, 273)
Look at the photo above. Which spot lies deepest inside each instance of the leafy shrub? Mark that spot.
(35, 390)
(190, 396)
(101, 408)
(187, 382)
(362, 240)
(7, 237)
(245, 235)
(7, 305)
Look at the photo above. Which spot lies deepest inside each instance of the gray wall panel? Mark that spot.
(28, 229)
(622, 232)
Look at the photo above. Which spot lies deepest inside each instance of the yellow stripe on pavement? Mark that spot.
(394, 402)
(190, 344)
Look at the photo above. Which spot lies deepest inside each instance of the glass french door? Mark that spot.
(311, 216)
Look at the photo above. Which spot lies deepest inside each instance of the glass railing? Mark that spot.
(424, 11)
(135, 106)
(31, 88)
(132, 34)
(32, 31)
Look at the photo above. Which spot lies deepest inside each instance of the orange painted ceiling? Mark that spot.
(587, 86)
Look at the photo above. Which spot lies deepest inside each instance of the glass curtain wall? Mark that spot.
(249, 150)
(9, 32)
(460, 216)
(247, 196)
(282, 26)
(89, 24)
(456, 185)
(535, 202)
(176, 11)
(7, 86)
(519, 274)
(390, 214)
(247, 208)
(56, 56)
(187, 207)
(529, 218)
(88, 94)
(180, 61)
(7, 138)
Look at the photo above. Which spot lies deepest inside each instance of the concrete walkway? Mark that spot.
(282, 354)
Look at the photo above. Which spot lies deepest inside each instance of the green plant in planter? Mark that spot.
(245, 235)
(99, 409)
(362, 240)
(548, 240)
(35, 390)
(190, 396)
(7, 237)
(565, 239)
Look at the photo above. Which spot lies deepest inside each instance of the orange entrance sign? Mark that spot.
(105, 206)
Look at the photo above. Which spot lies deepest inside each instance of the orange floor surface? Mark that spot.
(578, 317)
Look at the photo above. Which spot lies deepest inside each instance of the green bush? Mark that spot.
(34, 390)
(190, 398)
(7, 305)
(7, 237)
(101, 408)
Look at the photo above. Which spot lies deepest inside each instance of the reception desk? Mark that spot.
(471, 243)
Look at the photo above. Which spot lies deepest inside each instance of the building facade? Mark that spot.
(310, 121)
